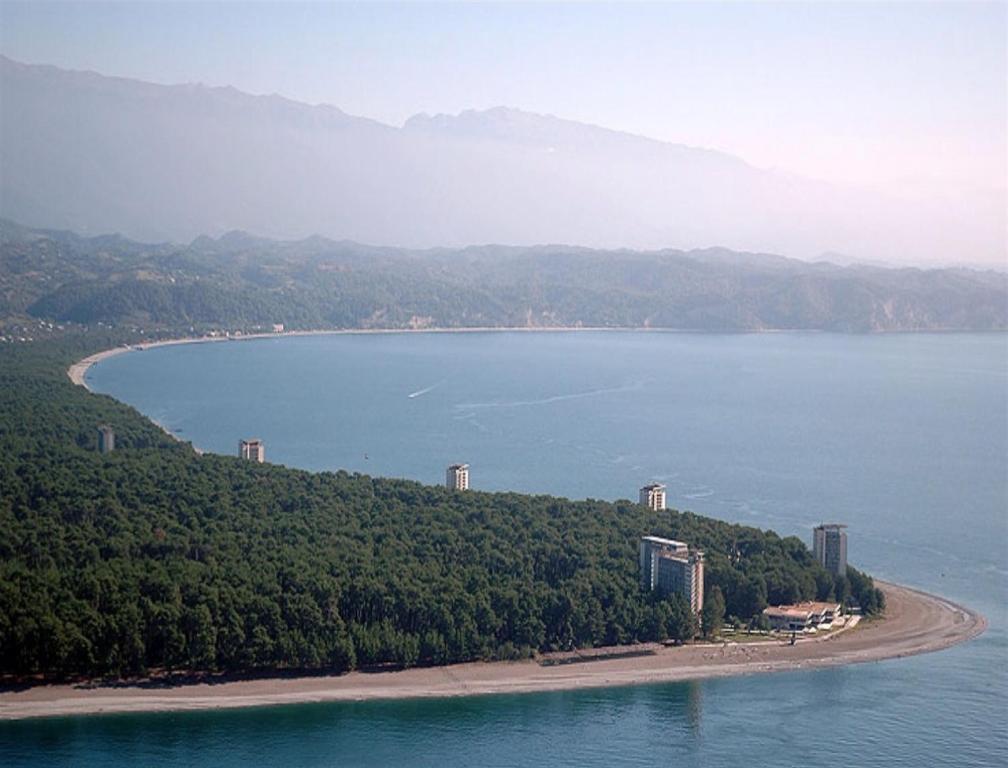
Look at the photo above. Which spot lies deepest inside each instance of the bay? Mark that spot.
(902, 437)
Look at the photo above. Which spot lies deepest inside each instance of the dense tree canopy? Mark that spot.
(156, 557)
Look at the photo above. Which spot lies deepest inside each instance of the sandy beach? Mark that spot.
(78, 371)
(915, 622)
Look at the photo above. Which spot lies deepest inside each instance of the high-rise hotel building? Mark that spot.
(252, 450)
(829, 545)
(457, 477)
(668, 566)
(653, 496)
(106, 439)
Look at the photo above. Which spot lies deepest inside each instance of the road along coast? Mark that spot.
(915, 622)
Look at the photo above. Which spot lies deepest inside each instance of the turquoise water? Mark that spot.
(903, 437)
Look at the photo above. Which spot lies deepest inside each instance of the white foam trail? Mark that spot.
(424, 391)
(546, 400)
(699, 494)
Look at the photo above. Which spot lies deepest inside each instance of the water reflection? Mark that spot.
(709, 723)
(694, 706)
(484, 730)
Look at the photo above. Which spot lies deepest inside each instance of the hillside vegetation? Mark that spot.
(155, 557)
(241, 282)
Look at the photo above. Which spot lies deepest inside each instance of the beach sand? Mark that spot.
(77, 371)
(915, 622)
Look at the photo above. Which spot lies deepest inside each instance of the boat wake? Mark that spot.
(546, 400)
(424, 391)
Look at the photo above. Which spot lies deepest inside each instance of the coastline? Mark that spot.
(78, 371)
(915, 622)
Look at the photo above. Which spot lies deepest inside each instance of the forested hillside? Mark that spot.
(155, 557)
(240, 282)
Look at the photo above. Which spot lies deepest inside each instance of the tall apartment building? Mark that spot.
(829, 544)
(457, 477)
(653, 496)
(106, 439)
(252, 450)
(668, 566)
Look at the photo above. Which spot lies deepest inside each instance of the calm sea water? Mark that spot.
(903, 437)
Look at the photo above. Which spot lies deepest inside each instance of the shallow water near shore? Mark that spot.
(903, 437)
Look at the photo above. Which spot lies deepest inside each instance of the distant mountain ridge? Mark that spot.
(92, 153)
(241, 281)
(551, 133)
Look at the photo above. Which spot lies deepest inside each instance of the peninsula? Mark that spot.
(136, 567)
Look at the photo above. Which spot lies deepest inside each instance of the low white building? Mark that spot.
(802, 617)
(788, 618)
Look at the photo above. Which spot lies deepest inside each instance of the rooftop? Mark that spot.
(819, 607)
(788, 611)
(665, 542)
(799, 610)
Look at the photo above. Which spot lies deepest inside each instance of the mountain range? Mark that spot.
(91, 153)
(240, 281)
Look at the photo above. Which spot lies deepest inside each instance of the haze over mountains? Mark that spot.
(98, 154)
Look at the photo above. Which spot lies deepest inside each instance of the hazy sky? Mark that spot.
(904, 96)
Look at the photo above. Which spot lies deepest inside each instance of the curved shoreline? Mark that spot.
(915, 622)
(77, 371)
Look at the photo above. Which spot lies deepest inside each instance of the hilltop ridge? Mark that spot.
(242, 281)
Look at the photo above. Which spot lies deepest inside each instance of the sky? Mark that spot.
(907, 98)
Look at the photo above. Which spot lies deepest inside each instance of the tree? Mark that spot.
(201, 638)
(863, 590)
(825, 585)
(842, 589)
(681, 623)
(754, 597)
(712, 617)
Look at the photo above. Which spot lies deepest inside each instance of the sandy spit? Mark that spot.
(915, 622)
